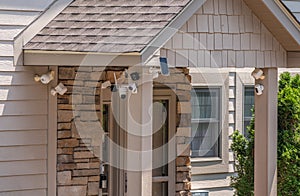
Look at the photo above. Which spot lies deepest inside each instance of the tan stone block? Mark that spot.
(64, 116)
(179, 187)
(67, 143)
(183, 176)
(65, 151)
(86, 172)
(61, 126)
(183, 149)
(66, 73)
(88, 116)
(82, 165)
(183, 169)
(64, 178)
(64, 158)
(183, 161)
(97, 75)
(82, 155)
(184, 132)
(94, 179)
(184, 107)
(71, 191)
(93, 188)
(186, 87)
(63, 134)
(80, 180)
(67, 166)
(76, 99)
(64, 107)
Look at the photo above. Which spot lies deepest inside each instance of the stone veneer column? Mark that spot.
(77, 166)
(77, 163)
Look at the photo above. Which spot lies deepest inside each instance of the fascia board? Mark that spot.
(169, 31)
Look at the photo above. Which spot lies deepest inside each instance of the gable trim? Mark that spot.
(35, 27)
(169, 31)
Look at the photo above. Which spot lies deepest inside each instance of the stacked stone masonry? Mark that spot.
(78, 144)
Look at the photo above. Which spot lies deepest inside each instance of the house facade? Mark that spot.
(127, 125)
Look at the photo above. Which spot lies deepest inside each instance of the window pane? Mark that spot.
(160, 189)
(205, 122)
(248, 105)
(248, 101)
(205, 103)
(206, 139)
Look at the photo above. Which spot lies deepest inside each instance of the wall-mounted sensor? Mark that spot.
(164, 68)
(133, 88)
(135, 76)
(45, 78)
(123, 92)
(258, 74)
(60, 89)
(259, 88)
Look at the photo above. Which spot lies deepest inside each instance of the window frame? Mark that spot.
(248, 118)
(218, 119)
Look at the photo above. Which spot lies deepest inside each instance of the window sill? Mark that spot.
(205, 159)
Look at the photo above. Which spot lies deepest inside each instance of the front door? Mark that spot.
(112, 176)
(163, 160)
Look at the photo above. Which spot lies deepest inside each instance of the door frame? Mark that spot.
(168, 94)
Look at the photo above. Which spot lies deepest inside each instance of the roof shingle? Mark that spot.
(106, 25)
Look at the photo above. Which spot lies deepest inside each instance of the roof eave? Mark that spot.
(36, 26)
(274, 16)
(66, 58)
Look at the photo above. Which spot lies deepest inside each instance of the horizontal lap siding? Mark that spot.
(23, 108)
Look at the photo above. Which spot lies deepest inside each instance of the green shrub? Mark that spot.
(288, 144)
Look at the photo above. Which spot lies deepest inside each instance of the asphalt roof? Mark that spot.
(106, 26)
(294, 7)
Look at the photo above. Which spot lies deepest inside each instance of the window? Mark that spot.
(206, 122)
(248, 104)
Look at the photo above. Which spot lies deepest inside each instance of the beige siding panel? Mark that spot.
(19, 153)
(17, 168)
(6, 48)
(25, 193)
(28, 182)
(6, 65)
(9, 32)
(23, 123)
(17, 78)
(17, 17)
(19, 108)
(25, 5)
(207, 184)
(37, 92)
(17, 138)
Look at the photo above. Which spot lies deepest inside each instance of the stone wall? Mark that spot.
(78, 124)
(77, 163)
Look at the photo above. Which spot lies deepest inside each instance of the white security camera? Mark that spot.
(123, 92)
(259, 88)
(258, 74)
(45, 78)
(60, 89)
(133, 88)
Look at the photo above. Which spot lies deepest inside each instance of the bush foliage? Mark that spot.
(288, 144)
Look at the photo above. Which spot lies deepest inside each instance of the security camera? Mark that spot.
(259, 88)
(135, 76)
(123, 92)
(45, 78)
(258, 74)
(133, 88)
(60, 89)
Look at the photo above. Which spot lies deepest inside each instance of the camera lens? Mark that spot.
(123, 96)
